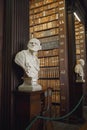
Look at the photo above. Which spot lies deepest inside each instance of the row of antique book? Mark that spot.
(45, 7)
(80, 56)
(42, 16)
(50, 45)
(49, 39)
(43, 12)
(49, 61)
(49, 72)
(49, 3)
(38, 21)
(48, 53)
(56, 97)
(79, 39)
(45, 26)
(50, 32)
(53, 83)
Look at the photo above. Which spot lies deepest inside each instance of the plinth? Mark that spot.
(27, 105)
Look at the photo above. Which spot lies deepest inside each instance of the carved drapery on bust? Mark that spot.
(28, 60)
(79, 70)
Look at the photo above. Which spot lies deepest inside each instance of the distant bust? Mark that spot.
(79, 70)
(28, 60)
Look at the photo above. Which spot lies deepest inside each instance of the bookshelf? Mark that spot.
(47, 23)
(80, 39)
(49, 72)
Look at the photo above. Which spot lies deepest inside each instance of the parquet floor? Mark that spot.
(56, 125)
(62, 126)
(84, 126)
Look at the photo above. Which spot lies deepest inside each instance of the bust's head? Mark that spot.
(34, 45)
(82, 62)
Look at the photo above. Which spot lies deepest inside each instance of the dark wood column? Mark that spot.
(85, 87)
(71, 55)
(75, 89)
(15, 39)
(1, 46)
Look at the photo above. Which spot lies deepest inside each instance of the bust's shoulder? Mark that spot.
(21, 55)
(23, 52)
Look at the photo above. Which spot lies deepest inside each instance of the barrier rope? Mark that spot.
(57, 118)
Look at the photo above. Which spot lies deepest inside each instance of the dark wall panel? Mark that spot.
(1, 44)
(15, 39)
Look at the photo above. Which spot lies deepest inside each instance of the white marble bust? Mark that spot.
(28, 60)
(79, 70)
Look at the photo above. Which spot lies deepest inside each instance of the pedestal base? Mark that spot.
(30, 85)
(25, 87)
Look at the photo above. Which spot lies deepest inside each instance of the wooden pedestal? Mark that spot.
(77, 114)
(27, 106)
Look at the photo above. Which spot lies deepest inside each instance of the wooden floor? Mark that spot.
(50, 126)
(84, 126)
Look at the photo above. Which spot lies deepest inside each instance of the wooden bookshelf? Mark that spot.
(79, 39)
(47, 23)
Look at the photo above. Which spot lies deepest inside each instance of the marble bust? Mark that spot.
(79, 70)
(28, 60)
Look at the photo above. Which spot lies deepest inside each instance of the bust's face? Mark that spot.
(33, 46)
(82, 62)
